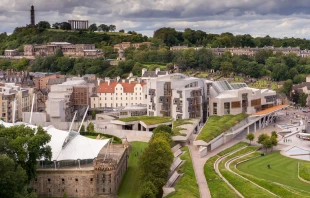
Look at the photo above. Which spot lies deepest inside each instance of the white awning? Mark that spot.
(79, 147)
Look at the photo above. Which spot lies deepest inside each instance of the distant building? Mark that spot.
(66, 98)
(125, 45)
(68, 49)
(11, 53)
(78, 24)
(147, 75)
(11, 95)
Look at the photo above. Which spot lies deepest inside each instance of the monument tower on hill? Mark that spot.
(32, 22)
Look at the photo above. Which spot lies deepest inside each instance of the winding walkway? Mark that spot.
(216, 168)
(198, 164)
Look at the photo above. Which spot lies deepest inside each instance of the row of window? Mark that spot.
(120, 98)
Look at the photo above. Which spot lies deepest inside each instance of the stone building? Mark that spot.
(125, 45)
(80, 166)
(68, 49)
(11, 53)
(78, 24)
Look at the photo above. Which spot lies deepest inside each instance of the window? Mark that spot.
(76, 179)
(226, 108)
(215, 108)
(91, 179)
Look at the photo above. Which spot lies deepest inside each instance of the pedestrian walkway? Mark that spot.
(199, 163)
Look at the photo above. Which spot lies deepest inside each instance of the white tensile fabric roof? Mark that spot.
(79, 147)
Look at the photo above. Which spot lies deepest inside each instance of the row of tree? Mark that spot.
(190, 37)
(155, 163)
(266, 141)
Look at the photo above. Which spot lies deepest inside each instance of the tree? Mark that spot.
(56, 25)
(103, 27)
(13, 179)
(93, 114)
(90, 127)
(267, 143)
(287, 87)
(274, 141)
(226, 68)
(262, 138)
(302, 100)
(92, 27)
(122, 31)
(148, 190)
(82, 128)
(163, 128)
(44, 25)
(112, 28)
(59, 53)
(155, 163)
(25, 146)
(65, 26)
(250, 137)
(274, 134)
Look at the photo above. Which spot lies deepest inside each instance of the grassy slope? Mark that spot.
(187, 186)
(130, 185)
(304, 171)
(282, 191)
(148, 120)
(216, 125)
(248, 190)
(283, 170)
(218, 188)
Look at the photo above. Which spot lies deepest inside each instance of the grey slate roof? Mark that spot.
(55, 81)
(150, 74)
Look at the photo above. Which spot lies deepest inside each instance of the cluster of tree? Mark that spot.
(20, 149)
(106, 28)
(155, 163)
(268, 142)
(62, 26)
(190, 37)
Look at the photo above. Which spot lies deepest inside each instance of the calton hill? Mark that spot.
(264, 69)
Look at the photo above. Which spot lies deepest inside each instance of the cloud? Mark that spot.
(277, 18)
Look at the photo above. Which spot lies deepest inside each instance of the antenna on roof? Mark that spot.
(71, 134)
(83, 119)
(72, 121)
(32, 108)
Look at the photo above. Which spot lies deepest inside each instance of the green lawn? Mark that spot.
(130, 184)
(148, 120)
(247, 189)
(282, 191)
(304, 170)
(177, 126)
(283, 170)
(217, 125)
(187, 186)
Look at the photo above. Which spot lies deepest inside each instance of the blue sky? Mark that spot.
(277, 18)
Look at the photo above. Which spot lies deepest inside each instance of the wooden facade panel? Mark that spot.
(256, 102)
(236, 104)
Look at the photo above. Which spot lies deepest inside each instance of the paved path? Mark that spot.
(199, 163)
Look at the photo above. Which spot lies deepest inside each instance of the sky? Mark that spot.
(277, 18)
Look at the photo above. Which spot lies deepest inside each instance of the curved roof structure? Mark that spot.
(79, 147)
